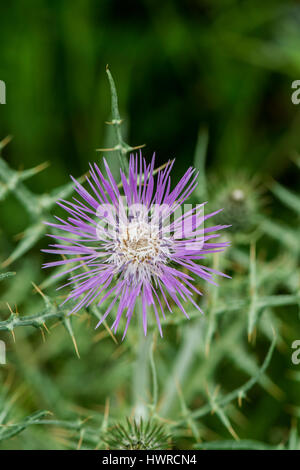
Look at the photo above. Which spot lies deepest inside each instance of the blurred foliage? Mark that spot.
(225, 68)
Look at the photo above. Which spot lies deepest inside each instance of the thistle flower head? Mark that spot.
(139, 241)
(137, 435)
(241, 198)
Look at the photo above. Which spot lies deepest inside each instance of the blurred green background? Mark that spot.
(179, 66)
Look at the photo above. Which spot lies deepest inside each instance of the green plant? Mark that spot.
(147, 376)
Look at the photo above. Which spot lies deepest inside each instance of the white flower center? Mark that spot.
(238, 195)
(138, 248)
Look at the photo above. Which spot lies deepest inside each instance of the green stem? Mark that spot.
(122, 148)
(140, 379)
(181, 366)
(154, 375)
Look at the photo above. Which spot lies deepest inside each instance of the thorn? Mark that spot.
(9, 307)
(13, 335)
(38, 290)
(110, 149)
(114, 122)
(80, 439)
(19, 236)
(233, 433)
(41, 166)
(55, 324)
(165, 164)
(99, 336)
(43, 335)
(111, 333)
(5, 141)
(46, 328)
(106, 409)
(7, 262)
(252, 336)
(88, 418)
(75, 346)
(240, 401)
(138, 147)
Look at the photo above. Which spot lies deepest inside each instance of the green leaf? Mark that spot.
(287, 197)
(8, 431)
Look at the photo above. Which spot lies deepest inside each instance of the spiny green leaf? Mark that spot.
(9, 430)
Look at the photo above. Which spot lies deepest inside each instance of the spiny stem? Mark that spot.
(238, 393)
(122, 148)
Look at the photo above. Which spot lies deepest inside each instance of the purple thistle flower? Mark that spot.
(136, 245)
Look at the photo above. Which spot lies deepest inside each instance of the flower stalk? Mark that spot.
(121, 147)
(140, 378)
